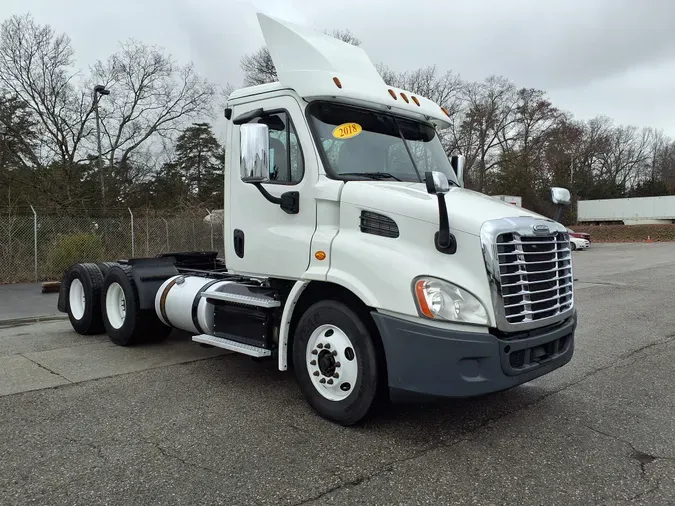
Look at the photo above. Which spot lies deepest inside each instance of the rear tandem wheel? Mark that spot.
(125, 323)
(82, 289)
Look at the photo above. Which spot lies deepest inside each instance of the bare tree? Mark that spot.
(151, 97)
(259, 68)
(36, 66)
(427, 82)
(628, 151)
(483, 121)
(345, 36)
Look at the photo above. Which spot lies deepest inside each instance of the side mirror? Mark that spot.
(457, 162)
(560, 196)
(254, 165)
(437, 182)
(254, 153)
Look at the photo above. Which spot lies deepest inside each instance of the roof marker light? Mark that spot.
(414, 99)
(445, 111)
(393, 95)
(405, 97)
(337, 82)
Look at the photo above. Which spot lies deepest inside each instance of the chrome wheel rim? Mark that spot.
(331, 362)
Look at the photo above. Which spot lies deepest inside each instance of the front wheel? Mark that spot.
(337, 366)
(573, 246)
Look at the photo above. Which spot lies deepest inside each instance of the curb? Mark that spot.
(16, 322)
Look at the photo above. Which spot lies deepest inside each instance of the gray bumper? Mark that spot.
(427, 361)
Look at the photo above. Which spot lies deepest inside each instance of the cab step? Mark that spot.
(249, 300)
(245, 294)
(228, 344)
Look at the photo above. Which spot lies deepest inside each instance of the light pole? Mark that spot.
(3, 147)
(99, 90)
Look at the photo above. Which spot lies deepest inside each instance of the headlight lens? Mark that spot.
(440, 300)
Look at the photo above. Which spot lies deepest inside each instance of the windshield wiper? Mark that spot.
(372, 175)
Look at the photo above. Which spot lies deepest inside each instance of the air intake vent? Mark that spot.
(377, 224)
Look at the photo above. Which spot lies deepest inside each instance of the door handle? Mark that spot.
(239, 242)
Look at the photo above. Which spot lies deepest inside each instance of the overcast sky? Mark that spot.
(593, 57)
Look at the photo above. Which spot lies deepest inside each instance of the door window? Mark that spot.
(287, 165)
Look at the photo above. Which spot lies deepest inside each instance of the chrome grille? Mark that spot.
(531, 274)
(536, 276)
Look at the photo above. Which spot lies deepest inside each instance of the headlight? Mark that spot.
(440, 300)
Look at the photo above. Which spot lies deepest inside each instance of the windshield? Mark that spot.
(370, 144)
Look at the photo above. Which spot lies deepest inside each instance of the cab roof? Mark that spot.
(318, 66)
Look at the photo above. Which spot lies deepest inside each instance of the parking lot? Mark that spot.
(85, 422)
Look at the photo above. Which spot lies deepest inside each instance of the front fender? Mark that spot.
(380, 270)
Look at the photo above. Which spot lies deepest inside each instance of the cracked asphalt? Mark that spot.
(83, 422)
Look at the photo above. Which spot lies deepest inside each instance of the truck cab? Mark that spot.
(353, 253)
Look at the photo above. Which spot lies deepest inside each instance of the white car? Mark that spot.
(578, 243)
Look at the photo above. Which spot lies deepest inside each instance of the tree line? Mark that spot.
(158, 147)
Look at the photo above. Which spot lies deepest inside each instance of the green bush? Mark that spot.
(74, 248)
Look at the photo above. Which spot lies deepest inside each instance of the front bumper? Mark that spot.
(428, 361)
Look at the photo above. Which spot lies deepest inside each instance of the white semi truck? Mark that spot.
(353, 253)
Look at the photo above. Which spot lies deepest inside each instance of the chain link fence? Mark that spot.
(39, 244)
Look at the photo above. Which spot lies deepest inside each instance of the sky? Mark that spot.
(593, 57)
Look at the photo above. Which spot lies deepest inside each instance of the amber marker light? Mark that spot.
(337, 82)
(320, 255)
(422, 299)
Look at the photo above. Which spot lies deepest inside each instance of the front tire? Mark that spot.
(336, 362)
(125, 323)
(83, 284)
(573, 246)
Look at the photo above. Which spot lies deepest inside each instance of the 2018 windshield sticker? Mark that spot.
(347, 130)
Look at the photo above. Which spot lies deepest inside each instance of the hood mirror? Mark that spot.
(437, 182)
(560, 196)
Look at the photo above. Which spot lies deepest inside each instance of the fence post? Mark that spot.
(147, 232)
(194, 234)
(35, 248)
(166, 224)
(133, 249)
(211, 223)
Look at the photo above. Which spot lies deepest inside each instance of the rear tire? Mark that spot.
(125, 323)
(336, 363)
(105, 267)
(82, 285)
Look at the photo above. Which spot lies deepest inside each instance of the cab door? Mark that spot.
(263, 238)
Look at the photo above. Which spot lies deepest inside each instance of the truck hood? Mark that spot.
(467, 209)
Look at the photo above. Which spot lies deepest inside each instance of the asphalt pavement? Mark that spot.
(26, 300)
(85, 422)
